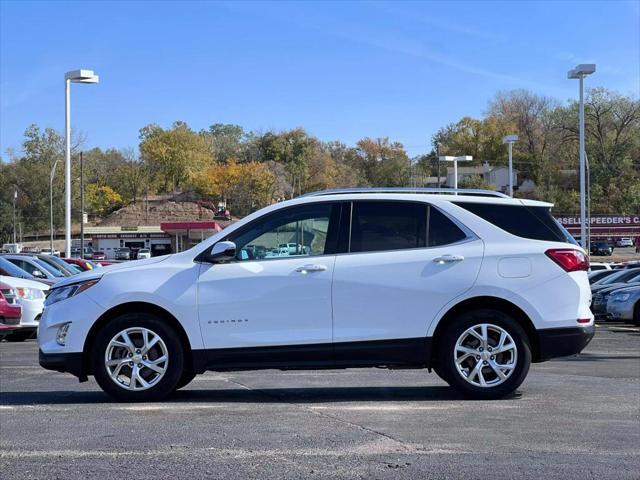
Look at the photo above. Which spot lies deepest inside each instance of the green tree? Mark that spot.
(174, 156)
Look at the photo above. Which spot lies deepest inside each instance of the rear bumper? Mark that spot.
(62, 362)
(562, 342)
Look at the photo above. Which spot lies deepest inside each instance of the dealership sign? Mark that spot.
(604, 224)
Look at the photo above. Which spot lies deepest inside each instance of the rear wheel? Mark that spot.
(484, 354)
(138, 357)
(636, 314)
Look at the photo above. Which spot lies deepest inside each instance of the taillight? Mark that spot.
(569, 259)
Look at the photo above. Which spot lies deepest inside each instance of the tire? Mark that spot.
(19, 336)
(473, 379)
(155, 372)
(185, 379)
(636, 315)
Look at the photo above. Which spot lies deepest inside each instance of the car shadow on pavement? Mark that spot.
(243, 395)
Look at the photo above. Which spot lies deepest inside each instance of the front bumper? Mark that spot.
(62, 362)
(562, 342)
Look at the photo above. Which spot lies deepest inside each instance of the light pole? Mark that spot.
(81, 207)
(51, 175)
(510, 139)
(455, 160)
(76, 76)
(579, 73)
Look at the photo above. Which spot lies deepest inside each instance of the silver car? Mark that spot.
(624, 304)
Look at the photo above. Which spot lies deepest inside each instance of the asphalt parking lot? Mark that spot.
(577, 417)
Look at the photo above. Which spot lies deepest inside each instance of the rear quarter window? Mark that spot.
(535, 223)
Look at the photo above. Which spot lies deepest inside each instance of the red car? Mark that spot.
(10, 310)
(83, 264)
(98, 256)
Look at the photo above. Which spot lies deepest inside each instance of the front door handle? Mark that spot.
(448, 259)
(311, 268)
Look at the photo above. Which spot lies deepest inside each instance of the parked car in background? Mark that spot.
(48, 251)
(31, 297)
(143, 253)
(5, 330)
(35, 267)
(123, 253)
(601, 248)
(98, 255)
(599, 275)
(10, 309)
(619, 277)
(601, 294)
(83, 265)
(58, 264)
(624, 242)
(599, 266)
(8, 269)
(624, 304)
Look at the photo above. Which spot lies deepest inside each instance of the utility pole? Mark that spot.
(438, 154)
(15, 197)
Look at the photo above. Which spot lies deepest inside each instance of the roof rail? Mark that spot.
(451, 191)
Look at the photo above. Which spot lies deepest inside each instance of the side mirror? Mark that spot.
(38, 273)
(222, 252)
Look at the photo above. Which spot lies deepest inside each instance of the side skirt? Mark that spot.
(397, 353)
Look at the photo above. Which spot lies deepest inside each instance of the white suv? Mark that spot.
(475, 286)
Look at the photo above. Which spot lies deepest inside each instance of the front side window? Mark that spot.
(292, 232)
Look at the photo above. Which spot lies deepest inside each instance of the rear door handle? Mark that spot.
(311, 268)
(448, 259)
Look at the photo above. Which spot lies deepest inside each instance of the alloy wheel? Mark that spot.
(485, 355)
(136, 359)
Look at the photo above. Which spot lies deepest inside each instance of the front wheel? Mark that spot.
(484, 354)
(138, 357)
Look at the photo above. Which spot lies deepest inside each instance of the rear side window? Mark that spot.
(535, 223)
(379, 226)
(442, 231)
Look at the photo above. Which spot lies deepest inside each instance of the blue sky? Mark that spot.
(341, 70)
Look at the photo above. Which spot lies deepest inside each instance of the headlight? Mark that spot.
(62, 293)
(623, 297)
(30, 293)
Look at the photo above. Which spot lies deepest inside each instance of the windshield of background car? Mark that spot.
(621, 276)
(13, 270)
(53, 271)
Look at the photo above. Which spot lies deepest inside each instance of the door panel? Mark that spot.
(277, 292)
(396, 294)
(262, 303)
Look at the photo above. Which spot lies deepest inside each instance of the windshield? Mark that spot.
(621, 276)
(13, 270)
(48, 268)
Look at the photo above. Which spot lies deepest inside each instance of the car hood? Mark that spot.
(616, 286)
(23, 283)
(99, 272)
(635, 287)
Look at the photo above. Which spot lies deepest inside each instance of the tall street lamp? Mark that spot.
(76, 76)
(579, 73)
(455, 160)
(510, 139)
